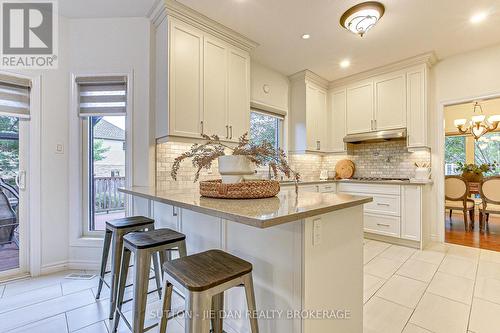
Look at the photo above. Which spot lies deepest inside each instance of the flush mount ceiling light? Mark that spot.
(306, 36)
(478, 125)
(362, 17)
(478, 18)
(345, 63)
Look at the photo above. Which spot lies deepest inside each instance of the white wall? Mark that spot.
(459, 78)
(278, 84)
(114, 45)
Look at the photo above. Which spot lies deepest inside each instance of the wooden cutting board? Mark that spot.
(345, 169)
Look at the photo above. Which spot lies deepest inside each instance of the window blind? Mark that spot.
(102, 96)
(14, 97)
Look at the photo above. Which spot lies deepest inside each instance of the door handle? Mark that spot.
(231, 131)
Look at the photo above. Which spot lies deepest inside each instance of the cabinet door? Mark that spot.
(416, 108)
(411, 224)
(337, 120)
(311, 117)
(215, 89)
(390, 102)
(359, 107)
(238, 93)
(321, 120)
(186, 63)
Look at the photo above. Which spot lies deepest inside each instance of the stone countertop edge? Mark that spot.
(358, 181)
(261, 223)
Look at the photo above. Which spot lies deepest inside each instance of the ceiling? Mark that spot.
(104, 8)
(408, 28)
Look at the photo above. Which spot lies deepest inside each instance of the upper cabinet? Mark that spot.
(359, 106)
(202, 77)
(308, 114)
(381, 100)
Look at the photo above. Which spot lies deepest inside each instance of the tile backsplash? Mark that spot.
(387, 159)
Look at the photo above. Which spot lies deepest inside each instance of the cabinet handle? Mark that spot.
(231, 131)
(383, 225)
(174, 213)
(202, 129)
(382, 204)
(318, 145)
(375, 122)
(227, 132)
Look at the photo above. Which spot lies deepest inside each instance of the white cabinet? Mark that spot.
(411, 218)
(359, 108)
(238, 93)
(204, 89)
(416, 103)
(308, 114)
(337, 113)
(390, 102)
(186, 83)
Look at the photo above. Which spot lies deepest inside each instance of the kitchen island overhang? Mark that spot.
(307, 253)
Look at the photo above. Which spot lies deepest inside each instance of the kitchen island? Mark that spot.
(306, 249)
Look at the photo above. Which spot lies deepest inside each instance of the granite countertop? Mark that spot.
(261, 213)
(361, 181)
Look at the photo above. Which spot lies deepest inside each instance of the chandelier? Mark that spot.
(362, 17)
(478, 125)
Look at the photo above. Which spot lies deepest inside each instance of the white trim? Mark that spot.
(439, 156)
(77, 237)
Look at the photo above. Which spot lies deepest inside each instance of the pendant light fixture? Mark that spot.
(362, 17)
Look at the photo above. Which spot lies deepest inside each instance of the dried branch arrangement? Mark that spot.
(203, 155)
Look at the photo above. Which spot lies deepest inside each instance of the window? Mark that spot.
(487, 149)
(102, 108)
(454, 152)
(266, 127)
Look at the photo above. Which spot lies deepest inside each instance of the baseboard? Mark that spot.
(393, 240)
(84, 265)
(54, 267)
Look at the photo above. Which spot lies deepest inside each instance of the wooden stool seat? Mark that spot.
(129, 222)
(153, 238)
(203, 271)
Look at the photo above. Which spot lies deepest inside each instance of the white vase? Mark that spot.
(233, 167)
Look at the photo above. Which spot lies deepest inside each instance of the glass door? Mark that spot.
(13, 196)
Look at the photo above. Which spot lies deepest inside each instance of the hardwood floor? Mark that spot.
(455, 233)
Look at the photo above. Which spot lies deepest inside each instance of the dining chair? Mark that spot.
(490, 195)
(457, 198)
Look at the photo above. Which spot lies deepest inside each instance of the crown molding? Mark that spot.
(428, 59)
(172, 8)
(307, 75)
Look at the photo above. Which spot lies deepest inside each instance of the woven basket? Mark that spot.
(254, 189)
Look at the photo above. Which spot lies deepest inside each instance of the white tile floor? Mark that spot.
(446, 288)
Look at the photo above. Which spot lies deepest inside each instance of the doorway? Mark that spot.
(471, 160)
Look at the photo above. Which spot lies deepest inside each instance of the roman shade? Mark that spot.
(102, 96)
(14, 96)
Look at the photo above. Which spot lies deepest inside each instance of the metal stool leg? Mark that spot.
(104, 261)
(197, 304)
(249, 291)
(158, 275)
(116, 255)
(142, 267)
(166, 307)
(217, 308)
(121, 288)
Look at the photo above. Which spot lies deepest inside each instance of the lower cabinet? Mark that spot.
(396, 210)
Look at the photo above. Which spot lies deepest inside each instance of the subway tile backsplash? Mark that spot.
(387, 159)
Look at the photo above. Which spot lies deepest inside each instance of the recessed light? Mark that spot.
(345, 63)
(478, 17)
(306, 36)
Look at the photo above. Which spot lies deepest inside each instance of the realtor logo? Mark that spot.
(29, 34)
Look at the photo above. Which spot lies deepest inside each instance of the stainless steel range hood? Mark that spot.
(397, 134)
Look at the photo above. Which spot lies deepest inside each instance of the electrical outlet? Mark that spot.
(59, 148)
(317, 230)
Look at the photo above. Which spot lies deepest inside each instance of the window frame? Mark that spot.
(80, 236)
(280, 136)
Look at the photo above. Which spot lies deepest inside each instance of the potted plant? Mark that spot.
(235, 161)
(473, 172)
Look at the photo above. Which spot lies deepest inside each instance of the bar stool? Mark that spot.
(144, 245)
(113, 239)
(204, 277)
